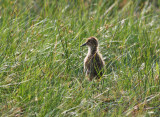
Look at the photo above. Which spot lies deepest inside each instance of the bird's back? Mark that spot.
(94, 66)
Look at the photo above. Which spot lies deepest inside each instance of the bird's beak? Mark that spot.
(83, 44)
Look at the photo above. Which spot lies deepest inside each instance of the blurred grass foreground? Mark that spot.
(41, 62)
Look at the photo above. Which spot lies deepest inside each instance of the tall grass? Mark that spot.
(41, 62)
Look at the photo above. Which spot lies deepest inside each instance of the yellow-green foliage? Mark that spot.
(41, 62)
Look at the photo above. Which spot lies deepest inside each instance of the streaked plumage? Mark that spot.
(93, 62)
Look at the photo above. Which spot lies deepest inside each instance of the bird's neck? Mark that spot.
(92, 50)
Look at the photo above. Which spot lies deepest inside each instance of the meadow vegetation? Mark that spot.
(41, 62)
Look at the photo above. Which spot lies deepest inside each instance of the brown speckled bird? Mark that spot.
(93, 62)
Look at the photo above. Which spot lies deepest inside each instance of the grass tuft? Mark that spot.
(41, 62)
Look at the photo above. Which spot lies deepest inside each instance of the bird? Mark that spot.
(93, 62)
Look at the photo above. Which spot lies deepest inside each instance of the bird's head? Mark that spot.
(91, 42)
